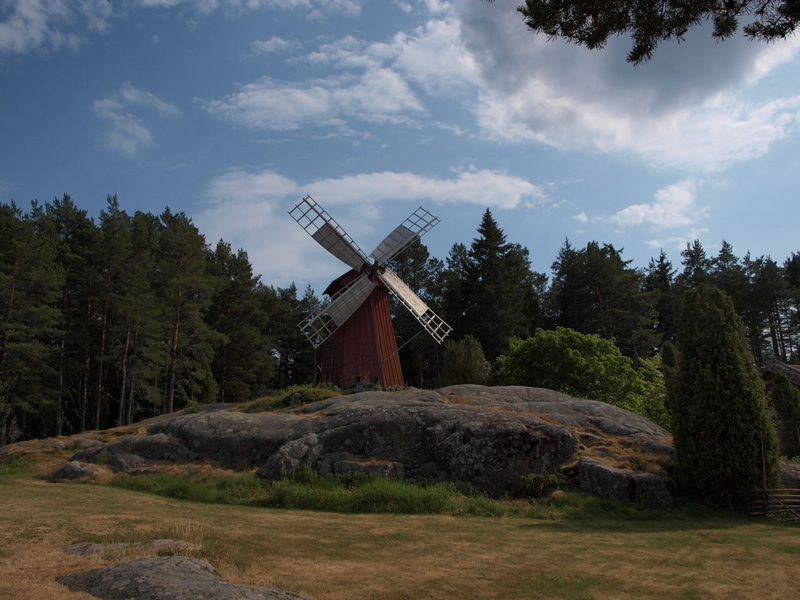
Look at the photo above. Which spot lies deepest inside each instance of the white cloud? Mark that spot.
(249, 210)
(581, 217)
(127, 133)
(272, 45)
(313, 8)
(37, 25)
(33, 25)
(688, 108)
(678, 242)
(484, 187)
(378, 95)
(674, 207)
(374, 85)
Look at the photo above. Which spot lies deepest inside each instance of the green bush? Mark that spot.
(720, 417)
(577, 364)
(464, 362)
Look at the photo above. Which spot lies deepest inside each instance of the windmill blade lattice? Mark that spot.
(328, 233)
(320, 326)
(416, 225)
(432, 322)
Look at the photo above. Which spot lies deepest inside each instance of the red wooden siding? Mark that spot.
(364, 346)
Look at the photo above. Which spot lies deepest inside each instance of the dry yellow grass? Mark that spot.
(332, 556)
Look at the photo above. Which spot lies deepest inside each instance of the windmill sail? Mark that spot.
(319, 326)
(419, 222)
(432, 322)
(328, 233)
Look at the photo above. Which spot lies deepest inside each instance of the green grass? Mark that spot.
(355, 493)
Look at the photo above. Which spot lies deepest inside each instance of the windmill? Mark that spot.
(358, 320)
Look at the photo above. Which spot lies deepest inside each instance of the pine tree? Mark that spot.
(659, 285)
(29, 321)
(595, 291)
(185, 292)
(497, 290)
(242, 366)
(719, 412)
(696, 265)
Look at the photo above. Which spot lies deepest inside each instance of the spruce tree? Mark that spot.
(719, 412)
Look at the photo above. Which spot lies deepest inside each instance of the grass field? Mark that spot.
(325, 555)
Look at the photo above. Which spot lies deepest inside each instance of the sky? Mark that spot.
(233, 110)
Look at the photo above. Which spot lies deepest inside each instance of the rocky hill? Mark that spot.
(485, 437)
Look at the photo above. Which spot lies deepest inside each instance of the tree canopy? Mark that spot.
(591, 22)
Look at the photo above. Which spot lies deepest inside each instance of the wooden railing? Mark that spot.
(777, 503)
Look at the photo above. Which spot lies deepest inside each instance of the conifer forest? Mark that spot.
(111, 320)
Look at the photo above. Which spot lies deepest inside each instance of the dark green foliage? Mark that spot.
(464, 362)
(662, 297)
(29, 326)
(577, 364)
(591, 24)
(785, 399)
(595, 291)
(104, 324)
(499, 293)
(719, 413)
(242, 364)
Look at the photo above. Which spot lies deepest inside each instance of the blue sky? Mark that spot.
(233, 110)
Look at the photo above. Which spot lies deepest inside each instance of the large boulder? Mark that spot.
(625, 485)
(486, 437)
(129, 453)
(171, 578)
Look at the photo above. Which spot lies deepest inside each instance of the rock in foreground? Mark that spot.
(171, 578)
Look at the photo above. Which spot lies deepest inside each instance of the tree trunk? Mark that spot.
(84, 395)
(173, 356)
(124, 368)
(100, 363)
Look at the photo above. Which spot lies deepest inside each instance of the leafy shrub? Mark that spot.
(574, 363)
(464, 362)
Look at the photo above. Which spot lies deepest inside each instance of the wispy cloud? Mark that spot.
(377, 95)
(272, 46)
(41, 25)
(127, 132)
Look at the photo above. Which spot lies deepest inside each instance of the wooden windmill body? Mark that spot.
(358, 321)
